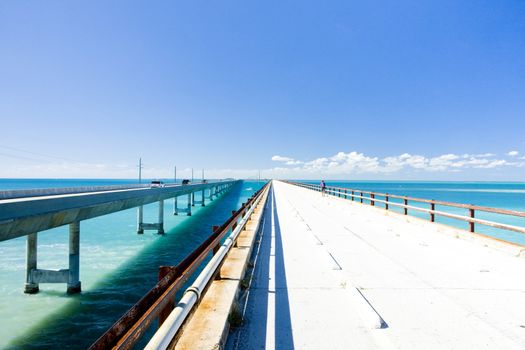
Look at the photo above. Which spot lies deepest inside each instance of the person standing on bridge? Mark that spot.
(323, 188)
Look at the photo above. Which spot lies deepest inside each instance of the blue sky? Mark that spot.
(338, 89)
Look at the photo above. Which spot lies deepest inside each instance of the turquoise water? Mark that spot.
(117, 267)
(504, 195)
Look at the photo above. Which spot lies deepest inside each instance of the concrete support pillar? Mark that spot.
(73, 283)
(140, 215)
(160, 230)
(189, 205)
(30, 287)
(203, 198)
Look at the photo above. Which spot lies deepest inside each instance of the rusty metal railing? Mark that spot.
(159, 301)
(372, 198)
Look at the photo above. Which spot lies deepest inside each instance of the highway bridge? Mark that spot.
(27, 212)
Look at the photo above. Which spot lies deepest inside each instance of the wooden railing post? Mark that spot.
(353, 196)
(372, 197)
(406, 203)
(386, 201)
(361, 197)
(345, 194)
(471, 224)
(432, 215)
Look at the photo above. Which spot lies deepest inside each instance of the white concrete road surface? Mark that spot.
(332, 274)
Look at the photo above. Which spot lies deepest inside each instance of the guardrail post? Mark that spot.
(353, 196)
(73, 283)
(188, 210)
(386, 201)
(471, 224)
(372, 196)
(345, 194)
(361, 197)
(405, 201)
(193, 199)
(339, 192)
(432, 215)
(203, 195)
(31, 263)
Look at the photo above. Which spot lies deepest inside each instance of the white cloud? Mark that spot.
(286, 160)
(281, 159)
(357, 163)
(513, 153)
(481, 155)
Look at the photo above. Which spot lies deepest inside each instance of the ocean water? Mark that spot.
(505, 195)
(117, 267)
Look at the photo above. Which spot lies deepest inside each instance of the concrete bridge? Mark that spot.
(329, 272)
(27, 212)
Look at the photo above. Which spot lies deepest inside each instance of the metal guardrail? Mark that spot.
(159, 301)
(375, 197)
(39, 192)
(168, 330)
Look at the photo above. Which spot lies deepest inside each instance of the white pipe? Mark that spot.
(162, 338)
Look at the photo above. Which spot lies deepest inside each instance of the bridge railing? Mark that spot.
(39, 192)
(407, 203)
(159, 301)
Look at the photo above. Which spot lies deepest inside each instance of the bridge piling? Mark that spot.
(71, 276)
(187, 210)
(160, 229)
(140, 216)
(73, 283)
(159, 225)
(202, 201)
(31, 263)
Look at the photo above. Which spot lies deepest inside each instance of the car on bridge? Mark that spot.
(186, 182)
(156, 184)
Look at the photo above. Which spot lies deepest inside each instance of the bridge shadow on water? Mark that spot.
(268, 293)
(87, 315)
